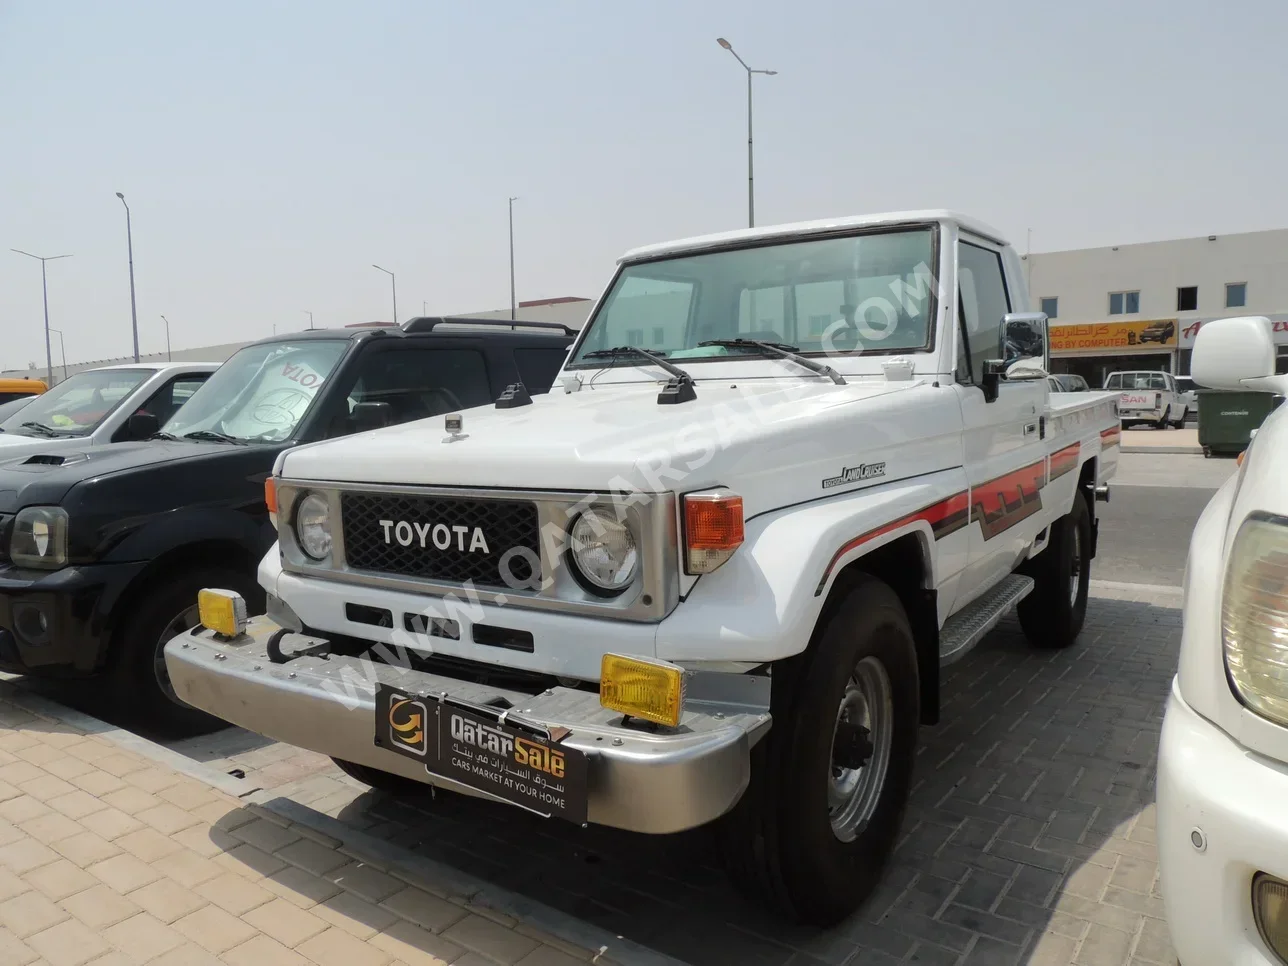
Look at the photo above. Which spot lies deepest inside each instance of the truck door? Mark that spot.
(1003, 445)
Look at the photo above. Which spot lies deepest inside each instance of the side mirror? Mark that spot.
(372, 415)
(142, 426)
(1023, 338)
(1228, 352)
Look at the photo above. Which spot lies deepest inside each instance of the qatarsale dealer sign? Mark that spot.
(1148, 334)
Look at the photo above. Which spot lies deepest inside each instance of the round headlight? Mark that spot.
(603, 551)
(313, 526)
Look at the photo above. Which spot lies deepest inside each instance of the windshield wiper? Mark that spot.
(212, 435)
(43, 429)
(169, 437)
(782, 350)
(678, 390)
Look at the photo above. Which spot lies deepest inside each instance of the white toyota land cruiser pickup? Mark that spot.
(791, 472)
(1223, 755)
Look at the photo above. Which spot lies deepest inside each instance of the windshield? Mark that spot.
(261, 393)
(76, 405)
(861, 293)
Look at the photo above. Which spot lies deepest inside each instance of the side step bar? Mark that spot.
(967, 627)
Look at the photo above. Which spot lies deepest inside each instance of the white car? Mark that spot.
(1223, 756)
(721, 574)
(99, 406)
(1148, 397)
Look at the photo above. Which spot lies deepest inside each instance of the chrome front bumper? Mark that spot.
(645, 782)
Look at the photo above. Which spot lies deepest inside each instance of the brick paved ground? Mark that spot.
(1029, 838)
(108, 859)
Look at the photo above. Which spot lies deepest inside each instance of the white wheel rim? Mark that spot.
(853, 793)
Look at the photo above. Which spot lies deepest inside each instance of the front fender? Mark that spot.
(191, 525)
(763, 604)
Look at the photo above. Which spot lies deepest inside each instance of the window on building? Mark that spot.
(1124, 303)
(1236, 295)
(1187, 298)
(1050, 306)
(659, 335)
(634, 336)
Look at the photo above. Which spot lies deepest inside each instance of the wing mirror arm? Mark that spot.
(994, 373)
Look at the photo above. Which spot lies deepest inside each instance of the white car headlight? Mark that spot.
(1254, 615)
(39, 538)
(313, 526)
(603, 551)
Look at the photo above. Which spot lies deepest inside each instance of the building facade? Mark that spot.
(1140, 306)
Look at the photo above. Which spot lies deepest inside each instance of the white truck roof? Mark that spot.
(795, 229)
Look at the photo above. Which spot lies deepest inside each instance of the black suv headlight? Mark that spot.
(39, 538)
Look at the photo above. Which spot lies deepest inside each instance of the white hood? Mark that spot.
(619, 437)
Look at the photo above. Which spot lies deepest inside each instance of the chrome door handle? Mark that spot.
(1030, 429)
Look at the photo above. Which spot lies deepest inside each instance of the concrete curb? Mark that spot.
(1189, 450)
(406, 865)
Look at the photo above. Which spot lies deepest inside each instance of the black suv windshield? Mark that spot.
(76, 405)
(870, 292)
(261, 393)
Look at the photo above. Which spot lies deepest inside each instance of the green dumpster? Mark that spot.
(1227, 419)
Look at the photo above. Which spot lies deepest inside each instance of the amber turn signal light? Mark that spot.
(713, 530)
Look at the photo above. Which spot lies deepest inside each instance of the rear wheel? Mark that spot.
(816, 826)
(167, 609)
(1053, 613)
(1180, 422)
(1162, 422)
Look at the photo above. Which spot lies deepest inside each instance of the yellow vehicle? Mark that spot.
(11, 389)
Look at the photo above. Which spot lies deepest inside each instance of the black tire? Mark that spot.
(167, 608)
(382, 781)
(1053, 613)
(1180, 423)
(779, 842)
(1163, 422)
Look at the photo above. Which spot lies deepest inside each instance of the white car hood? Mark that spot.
(616, 436)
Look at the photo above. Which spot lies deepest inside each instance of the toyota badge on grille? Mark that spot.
(454, 424)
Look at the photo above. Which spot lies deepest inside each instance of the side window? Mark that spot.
(417, 383)
(983, 301)
(538, 367)
(165, 402)
(1114, 382)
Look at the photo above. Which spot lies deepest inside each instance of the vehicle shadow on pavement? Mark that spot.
(1029, 837)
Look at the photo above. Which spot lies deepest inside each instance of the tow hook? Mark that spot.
(1102, 493)
(274, 648)
(852, 746)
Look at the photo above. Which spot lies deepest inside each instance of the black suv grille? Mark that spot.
(385, 534)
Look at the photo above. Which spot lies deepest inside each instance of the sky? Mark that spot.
(272, 150)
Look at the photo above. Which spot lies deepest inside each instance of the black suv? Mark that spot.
(102, 551)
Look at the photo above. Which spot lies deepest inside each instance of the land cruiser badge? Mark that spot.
(856, 474)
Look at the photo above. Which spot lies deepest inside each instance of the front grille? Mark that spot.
(385, 533)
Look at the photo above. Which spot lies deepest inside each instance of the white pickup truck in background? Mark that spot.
(713, 579)
(1149, 397)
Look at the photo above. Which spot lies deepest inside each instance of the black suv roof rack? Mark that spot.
(427, 323)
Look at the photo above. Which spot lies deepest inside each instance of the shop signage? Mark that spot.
(1189, 330)
(1147, 334)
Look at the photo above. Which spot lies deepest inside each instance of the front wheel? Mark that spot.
(167, 609)
(1053, 613)
(814, 830)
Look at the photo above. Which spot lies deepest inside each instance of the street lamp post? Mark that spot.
(394, 283)
(168, 358)
(512, 302)
(44, 289)
(751, 191)
(129, 241)
(63, 349)
(306, 312)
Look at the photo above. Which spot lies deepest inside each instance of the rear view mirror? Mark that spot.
(1024, 336)
(143, 426)
(371, 415)
(1229, 352)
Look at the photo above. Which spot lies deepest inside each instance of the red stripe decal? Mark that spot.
(944, 517)
(1001, 503)
(1111, 437)
(1063, 460)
